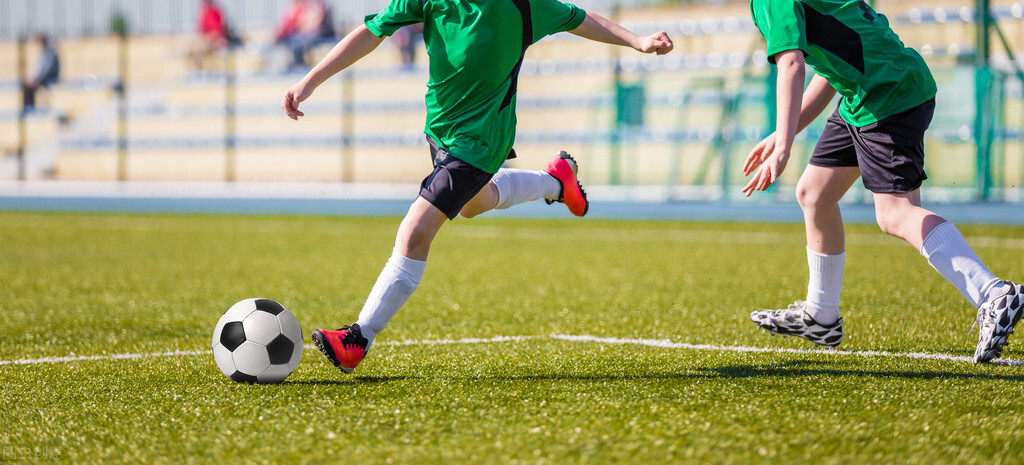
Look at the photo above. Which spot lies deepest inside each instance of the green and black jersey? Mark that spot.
(475, 48)
(853, 47)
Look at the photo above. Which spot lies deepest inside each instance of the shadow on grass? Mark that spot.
(788, 369)
(796, 368)
(355, 380)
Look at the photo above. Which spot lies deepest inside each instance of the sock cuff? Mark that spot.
(412, 268)
(552, 186)
(940, 236)
(826, 263)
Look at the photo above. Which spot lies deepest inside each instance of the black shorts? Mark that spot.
(453, 182)
(889, 153)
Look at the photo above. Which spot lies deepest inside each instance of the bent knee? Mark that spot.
(810, 199)
(887, 222)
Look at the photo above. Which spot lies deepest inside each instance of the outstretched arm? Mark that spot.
(354, 46)
(597, 28)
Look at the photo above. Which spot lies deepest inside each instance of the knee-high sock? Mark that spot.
(948, 252)
(518, 186)
(824, 286)
(399, 279)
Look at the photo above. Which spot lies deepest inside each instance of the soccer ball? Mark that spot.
(257, 341)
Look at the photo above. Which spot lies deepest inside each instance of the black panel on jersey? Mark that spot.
(524, 11)
(828, 33)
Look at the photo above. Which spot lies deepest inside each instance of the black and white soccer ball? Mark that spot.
(257, 341)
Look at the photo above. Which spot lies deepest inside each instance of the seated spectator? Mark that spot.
(212, 33)
(303, 24)
(47, 73)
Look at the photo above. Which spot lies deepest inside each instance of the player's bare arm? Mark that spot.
(790, 86)
(816, 99)
(349, 50)
(597, 28)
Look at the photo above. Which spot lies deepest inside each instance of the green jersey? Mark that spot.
(853, 47)
(475, 49)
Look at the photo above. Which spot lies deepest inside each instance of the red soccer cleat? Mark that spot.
(345, 348)
(573, 196)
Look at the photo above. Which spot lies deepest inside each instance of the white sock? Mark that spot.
(948, 252)
(824, 286)
(518, 186)
(395, 284)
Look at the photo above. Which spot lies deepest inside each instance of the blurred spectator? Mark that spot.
(408, 39)
(303, 25)
(212, 33)
(289, 23)
(47, 73)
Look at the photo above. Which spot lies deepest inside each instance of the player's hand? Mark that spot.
(760, 153)
(658, 42)
(769, 172)
(292, 97)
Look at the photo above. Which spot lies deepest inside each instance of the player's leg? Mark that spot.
(830, 173)
(557, 182)
(901, 215)
(891, 158)
(347, 346)
(1000, 303)
(819, 191)
(817, 318)
(442, 194)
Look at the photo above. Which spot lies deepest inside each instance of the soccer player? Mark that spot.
(476, 49)
(876, 133)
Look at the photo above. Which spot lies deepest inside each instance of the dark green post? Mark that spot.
(983, 111)
(122, 104)
(615, 152)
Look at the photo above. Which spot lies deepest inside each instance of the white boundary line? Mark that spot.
(716, 348)
(82, 358)
(662, 343)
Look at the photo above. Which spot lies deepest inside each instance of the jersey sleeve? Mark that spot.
(552, 16)
(783, 25)
(398, 14)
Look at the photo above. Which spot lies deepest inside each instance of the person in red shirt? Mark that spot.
(288, 25)
(212, 32)
(303, 24)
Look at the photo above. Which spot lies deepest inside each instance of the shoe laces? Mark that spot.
(782, 312)
(351, 338)
(982, 313)
(983, 309)
(978, 319)
(797, 305)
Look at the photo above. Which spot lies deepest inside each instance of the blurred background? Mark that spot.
(189, 92)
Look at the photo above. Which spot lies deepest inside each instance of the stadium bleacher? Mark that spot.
(176, 127)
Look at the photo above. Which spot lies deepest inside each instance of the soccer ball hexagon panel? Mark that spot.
(257, 340)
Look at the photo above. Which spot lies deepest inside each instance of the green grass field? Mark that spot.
(79, 285)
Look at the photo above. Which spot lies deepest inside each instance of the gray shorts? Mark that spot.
(889, 153)
(453, 183)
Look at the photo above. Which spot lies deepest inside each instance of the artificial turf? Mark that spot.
(79, 285)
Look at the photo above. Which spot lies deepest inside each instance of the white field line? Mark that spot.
(84, 358)
(178, 353)
(716, 348)
(662, 343)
